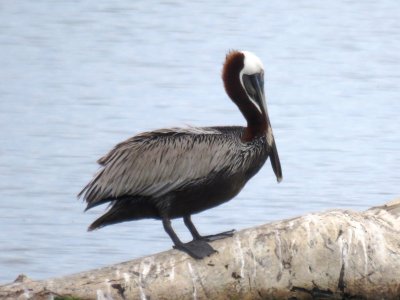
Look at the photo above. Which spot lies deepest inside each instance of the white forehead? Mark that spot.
(252, 64)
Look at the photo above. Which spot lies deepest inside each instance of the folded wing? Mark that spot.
(155, 163)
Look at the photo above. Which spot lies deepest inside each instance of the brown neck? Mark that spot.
(252, 132)
(257, 123)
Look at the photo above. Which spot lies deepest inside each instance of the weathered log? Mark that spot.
(337, 254)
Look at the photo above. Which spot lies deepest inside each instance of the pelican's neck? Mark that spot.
(253, 131)
(257, 123)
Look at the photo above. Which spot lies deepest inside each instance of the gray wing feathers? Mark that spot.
(155, 163)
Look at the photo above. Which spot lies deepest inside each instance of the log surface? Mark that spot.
(339, 254)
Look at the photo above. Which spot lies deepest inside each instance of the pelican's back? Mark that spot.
(152, 164)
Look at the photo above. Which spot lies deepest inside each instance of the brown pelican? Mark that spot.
(176, 172)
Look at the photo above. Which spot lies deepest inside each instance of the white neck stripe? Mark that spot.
(251, 99)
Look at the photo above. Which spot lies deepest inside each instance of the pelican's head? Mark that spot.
(243, 76)
(252, 80)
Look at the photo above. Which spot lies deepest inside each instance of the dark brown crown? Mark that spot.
(234, 63)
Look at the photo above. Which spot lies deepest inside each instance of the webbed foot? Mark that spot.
(218, 236)
(198, 249)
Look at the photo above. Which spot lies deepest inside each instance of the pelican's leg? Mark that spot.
(189, 224)
(196, 236)
(197, 248)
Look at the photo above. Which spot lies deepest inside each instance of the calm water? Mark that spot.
(76, 77)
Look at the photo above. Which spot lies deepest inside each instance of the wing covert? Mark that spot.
(155, 163)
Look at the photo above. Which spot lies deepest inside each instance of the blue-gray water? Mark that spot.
(77, 77)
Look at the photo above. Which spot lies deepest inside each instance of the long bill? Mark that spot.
(254, 85)
(275, 162)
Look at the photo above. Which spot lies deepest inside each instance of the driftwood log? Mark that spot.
(339, 254)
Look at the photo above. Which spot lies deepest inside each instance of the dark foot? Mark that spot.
(219, 236)
(197, 249)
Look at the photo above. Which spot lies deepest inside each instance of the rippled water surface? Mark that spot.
(77, 77)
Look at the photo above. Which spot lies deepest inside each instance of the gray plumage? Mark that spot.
(152, 164)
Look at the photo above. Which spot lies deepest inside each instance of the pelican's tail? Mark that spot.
(126, 209)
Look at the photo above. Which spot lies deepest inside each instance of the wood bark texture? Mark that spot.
(339, 254)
